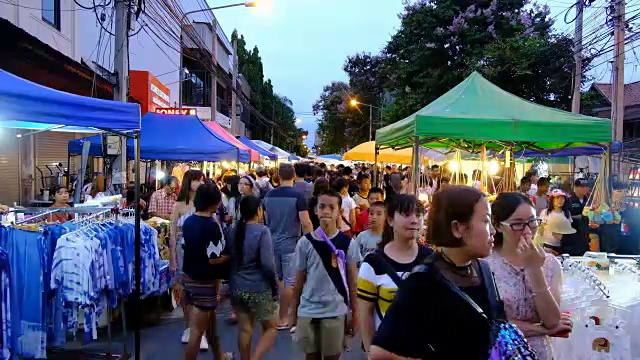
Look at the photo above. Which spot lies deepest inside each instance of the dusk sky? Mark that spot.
(304, 43)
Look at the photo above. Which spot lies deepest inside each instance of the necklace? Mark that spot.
(465, 270)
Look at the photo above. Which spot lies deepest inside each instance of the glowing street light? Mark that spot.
(355, 103)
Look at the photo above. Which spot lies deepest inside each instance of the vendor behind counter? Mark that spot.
(61, 199)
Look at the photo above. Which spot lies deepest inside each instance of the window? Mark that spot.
(51, 12)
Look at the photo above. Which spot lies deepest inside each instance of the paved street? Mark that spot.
(163, 342)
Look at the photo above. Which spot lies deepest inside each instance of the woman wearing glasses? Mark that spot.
(529, 280)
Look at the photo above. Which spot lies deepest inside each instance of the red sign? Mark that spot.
(150, 92)
(176, 111)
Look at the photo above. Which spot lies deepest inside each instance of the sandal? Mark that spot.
(282, 326)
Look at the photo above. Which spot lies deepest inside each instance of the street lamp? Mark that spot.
(355, 103)
(249, 4)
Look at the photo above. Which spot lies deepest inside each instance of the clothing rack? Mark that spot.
(81, 353)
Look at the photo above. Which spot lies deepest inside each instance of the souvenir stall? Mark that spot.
(467, 118)
(32, 283)
(602, 293)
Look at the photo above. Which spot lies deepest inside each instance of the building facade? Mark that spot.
(69, 46)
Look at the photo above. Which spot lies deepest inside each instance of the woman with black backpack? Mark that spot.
(449, 308)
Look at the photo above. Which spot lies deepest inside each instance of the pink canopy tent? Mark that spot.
(215, 127)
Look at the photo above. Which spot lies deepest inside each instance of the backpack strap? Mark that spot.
(377, 260)
(326, 256)
(495, 302)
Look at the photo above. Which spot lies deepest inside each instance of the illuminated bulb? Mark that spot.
(453, 166)
(160, 174)
(423, 197)
(493, 167)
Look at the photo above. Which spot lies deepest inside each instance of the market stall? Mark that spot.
(283, 156)
(367, 152)
(263, 152)
(29, 106)
(254, 156)
(477, 115)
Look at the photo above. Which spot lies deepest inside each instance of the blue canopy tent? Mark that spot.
(336, 157)
(184, 138)
(95, 149)
(27, 105)
(264, 152)
(276, 150)
(195, 143)
(578, 151)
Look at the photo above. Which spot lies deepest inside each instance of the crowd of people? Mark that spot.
(318, 252)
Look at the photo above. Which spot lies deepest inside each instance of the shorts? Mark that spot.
(258, 304)
(200, 294)
(320, 335)
(286, 268)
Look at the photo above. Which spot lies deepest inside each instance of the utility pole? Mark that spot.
(577, 50)
(214, 60)
(119, 174)
(234, 78)
(370, 123)
(617, 96)
(273, 118)
(120, 92)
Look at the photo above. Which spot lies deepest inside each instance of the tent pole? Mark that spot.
(376, 172)
(138, 273)
(415, 165)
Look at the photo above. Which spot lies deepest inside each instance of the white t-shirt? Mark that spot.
(347, 205)
(547, 235)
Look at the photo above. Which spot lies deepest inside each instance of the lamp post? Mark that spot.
(213, 55)
(355, 103)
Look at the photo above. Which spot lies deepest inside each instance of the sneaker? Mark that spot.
(185, 336)
(204, 344)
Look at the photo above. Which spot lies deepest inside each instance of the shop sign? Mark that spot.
(149, 91)
(176, 111)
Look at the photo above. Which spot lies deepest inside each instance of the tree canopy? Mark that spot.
(437, 45)
(276, 109)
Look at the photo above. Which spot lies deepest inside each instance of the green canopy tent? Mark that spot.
(477, 112)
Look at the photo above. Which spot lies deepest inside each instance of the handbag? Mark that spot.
(507, 341)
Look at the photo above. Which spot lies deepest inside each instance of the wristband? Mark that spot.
(536, 293)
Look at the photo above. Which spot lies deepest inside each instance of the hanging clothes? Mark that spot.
(58, 269)
(7, 339)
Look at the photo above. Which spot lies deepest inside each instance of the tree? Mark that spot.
(339, 126)
(441, 42)
(275, 108)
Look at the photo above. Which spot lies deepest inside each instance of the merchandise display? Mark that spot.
(73, 273)
(605, 309)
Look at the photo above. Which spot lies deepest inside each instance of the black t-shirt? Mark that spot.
(199, 232)
(427, 320)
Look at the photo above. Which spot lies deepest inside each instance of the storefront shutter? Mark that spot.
(9, 167)
(51, 148)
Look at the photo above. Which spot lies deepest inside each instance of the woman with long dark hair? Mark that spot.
(252, 282)
(529, 280)
(435, 313)
(234, 195)
(182, 209)
(381, 271)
